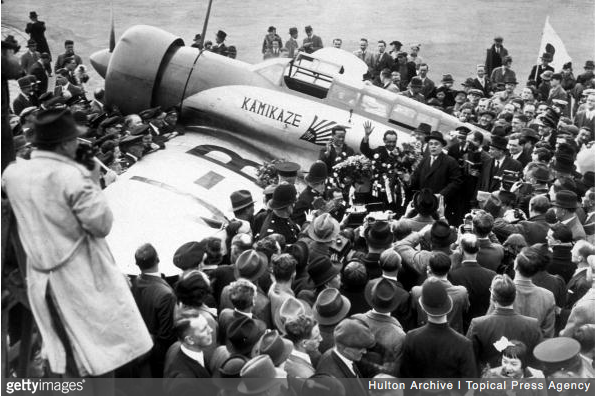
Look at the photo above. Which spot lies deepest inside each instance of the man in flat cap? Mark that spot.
(311, 42)
(503, 73)
(72, 282)
(292, 44)
(495, 55)
(352, 340)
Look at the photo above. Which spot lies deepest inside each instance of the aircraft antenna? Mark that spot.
(204, 32)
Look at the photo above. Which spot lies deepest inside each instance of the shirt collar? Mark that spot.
(194, 355)
(393, 278)
(157, 274)
(345, 360)
(569, 220)
(249, 314)
(301, 355)
(381, 313)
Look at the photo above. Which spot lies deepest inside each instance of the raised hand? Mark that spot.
(368, 128)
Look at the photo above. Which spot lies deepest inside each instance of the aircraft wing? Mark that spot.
(176, 195)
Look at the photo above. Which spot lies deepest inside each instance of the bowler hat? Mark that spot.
(381, 294)
(434, 299)
(353, 333)
(308, 28)
(468, 82)
(258, 375)
(499, 142)
(510, 80)
(324, 228)
(189, 255)
(317, 172)
(271, 29)
(321, 270)
(447, 78)
(557, 353)
(331, 307)
(547, 75)
(436, 135)
(542, 175)
(530, 134)
(589, 65)
(440, 232)
(416, 82)
(284, 195)
(588, 179)
(563, 163)
(54, 126)
(250, 265)
(293, 30)
(241, 199)
(221, 34)
(378, 235)
(566, 199)
(33, 14)
(242, 334)
(287, 169)
(31, 43)
(273, 345)
(547, 56)
(425, 202)
(423, 128)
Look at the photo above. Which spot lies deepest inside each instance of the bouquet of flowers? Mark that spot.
(267, 174)
(409, 158)
(355, 168)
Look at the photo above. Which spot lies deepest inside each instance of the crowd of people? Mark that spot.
(454, 258)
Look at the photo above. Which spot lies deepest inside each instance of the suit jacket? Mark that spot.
(494, 59)
(334, 157)
(331, 364)
(21, 102)
(577, 287)
(581, 313)
(62, 59)
(487, 329)
(156, 301)
(477, 281)
(39, 71)
(444, 177)
(179, 367)
(367, 57)
(535, 75)
(406, 73)
(428, 88)
(491, 176)
(382, 61)
(577, 229)
(535, 302)
(292, 47)
(304, 204)
(36, 31)
(499, 75)
(534, 229)
(582, 120)
(461, 304)
(28, 59)
(316, 41)
(484, 86)
(554, 283)
(437, 351)
(524, 158)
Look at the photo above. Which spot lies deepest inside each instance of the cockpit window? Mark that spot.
(374, 105)
(344, 94)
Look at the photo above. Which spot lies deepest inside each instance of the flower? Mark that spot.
(502, 344)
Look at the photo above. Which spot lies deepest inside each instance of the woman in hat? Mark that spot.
(514, 363)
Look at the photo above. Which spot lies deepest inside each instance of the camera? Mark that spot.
(86, 153)
(509, 178)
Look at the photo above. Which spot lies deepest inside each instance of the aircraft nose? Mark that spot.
(100, 61)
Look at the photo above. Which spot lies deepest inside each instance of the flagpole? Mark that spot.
(204, 32)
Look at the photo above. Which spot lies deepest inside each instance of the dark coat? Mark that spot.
(36, 32)
(577, 287)
(534, 229)
(304, 204)
(315, 41)
(477, 281)
(333, 158)
(486, 88)
(494, 59)
(178, 367)
(62, 59)
(486, 330)
(428, 88)
(28, 59)
(21, 102)
(437, 351)
(554, 283)
(331, 364)
(39, 71)
(444, 177)
(156, 301)
(524, 158)
(406, 74)
(491, 177)
(384, 61)
(561, 263)
(536, 75)
(273, 224)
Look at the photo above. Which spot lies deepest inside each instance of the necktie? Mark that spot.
(432, 160)
(356, 371)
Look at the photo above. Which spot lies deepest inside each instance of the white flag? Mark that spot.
(552, 43)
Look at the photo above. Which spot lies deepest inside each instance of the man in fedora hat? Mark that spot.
(31, 56)
(492, 175)
(315, 188)
(336, 150)
(36, 30)
(382, 295)
(495, 55)
(323, 232)
(311, 42)
(292, 44)
(352, 340)
(26, 98)
(73, 282)
(219, 47)
(502, 73)
(566, 204)
(440, 173)
(378, 237)
(261, 378)
(274, 346)
(537, 70)
(329, 309)
(243, 206)
(439, 266)
(435, 350)
(279, 220)
(197, 42)
(414, 89)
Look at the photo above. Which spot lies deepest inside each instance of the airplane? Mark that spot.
(235, 115)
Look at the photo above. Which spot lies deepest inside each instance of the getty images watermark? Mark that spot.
(33, 386)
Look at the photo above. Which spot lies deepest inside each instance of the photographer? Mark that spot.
(72, 282)
(474, 161)
(492, 175)
(534, 229)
